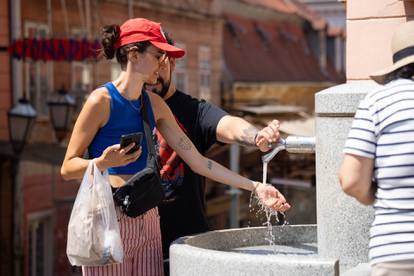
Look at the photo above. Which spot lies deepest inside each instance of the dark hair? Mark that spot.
(168, 38)
(405, 72)
(110, 35)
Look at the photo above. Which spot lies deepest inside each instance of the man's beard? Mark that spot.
(164, 87)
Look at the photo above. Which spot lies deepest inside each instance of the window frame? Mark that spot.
(204, 71)
(39, 102)
(34, 220)
(181, 69)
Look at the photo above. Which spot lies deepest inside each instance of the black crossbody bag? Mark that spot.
(143, 191)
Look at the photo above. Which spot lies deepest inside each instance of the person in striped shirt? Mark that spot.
(378, 167)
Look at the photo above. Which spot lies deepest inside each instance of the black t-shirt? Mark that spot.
(183, 212)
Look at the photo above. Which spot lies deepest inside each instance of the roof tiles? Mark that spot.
(270, 52)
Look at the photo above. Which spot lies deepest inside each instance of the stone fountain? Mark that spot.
(336, 244)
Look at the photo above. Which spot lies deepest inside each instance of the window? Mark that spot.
(81, 74)
(40, 247)
(331, 50)
(180, 81)
(81, 71)
(204, 68)
(180, 72)
(38, 74)
(81, 79)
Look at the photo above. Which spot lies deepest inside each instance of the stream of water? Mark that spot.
(269, 213)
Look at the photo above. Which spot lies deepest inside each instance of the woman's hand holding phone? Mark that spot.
(115, 156)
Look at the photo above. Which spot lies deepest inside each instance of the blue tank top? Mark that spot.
(125, 118)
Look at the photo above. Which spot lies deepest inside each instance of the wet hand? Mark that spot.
(115, 156)
(268, 135)
(270, 197)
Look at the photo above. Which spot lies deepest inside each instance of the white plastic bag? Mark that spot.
(93, 231)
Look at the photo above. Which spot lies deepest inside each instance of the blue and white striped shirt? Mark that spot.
(383, 130)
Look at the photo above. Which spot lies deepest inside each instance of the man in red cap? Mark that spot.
(184, 211)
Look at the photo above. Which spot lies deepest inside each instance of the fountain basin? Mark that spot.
(244, 251)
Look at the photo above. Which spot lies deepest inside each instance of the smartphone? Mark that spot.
(127, 139)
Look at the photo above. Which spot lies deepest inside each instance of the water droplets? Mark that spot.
(256, 207)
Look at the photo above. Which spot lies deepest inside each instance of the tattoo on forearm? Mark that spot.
(247, 139)
(184, 144)
(210, 164)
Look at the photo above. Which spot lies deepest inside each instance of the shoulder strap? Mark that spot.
(110, 87)
(147, 129)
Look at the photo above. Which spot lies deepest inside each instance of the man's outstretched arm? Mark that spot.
(231, 129)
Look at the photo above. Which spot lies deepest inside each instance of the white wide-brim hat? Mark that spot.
(402, 45)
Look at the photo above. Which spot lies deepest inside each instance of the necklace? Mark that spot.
(128, 100)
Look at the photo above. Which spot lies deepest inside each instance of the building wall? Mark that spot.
(6, 165)
(194, 29)
(5, 84)
(365, 20)
(48, 201)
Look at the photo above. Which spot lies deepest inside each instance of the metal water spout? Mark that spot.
(293, 144)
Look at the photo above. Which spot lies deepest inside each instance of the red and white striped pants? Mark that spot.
(141, 238)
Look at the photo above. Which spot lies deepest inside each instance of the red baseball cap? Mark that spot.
(141, 29)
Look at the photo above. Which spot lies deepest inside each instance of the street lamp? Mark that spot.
(21, 120)
(61, 108)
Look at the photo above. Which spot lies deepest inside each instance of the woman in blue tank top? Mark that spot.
(113, 110)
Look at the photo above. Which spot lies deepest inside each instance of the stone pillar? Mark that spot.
(343, 223)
